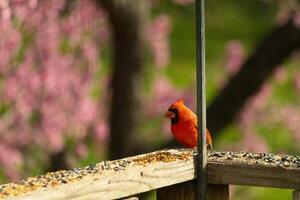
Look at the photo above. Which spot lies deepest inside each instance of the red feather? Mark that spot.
(184, 125)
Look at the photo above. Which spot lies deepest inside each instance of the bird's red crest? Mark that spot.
(179, 101)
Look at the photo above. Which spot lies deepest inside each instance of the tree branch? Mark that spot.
(271, 51)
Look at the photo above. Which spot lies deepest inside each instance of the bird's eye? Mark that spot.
(173, 114)
(174, 110)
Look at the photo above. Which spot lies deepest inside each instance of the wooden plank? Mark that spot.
(296, 195)
(218, 192)
(181, 191)
(253, 175)
(112, 180)
(254, 169)
(133, 175)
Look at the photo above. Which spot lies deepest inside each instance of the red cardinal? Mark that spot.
(184, 125)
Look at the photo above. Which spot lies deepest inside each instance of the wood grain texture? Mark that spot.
(133, 175)
(218, 192)
(253, 175)
(181, 191)
(143, 173)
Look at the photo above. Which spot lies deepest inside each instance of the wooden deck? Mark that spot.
(142, 173)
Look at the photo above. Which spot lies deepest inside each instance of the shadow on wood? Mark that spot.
(218, 192)
(182, 191)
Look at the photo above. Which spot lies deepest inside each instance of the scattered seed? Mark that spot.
(54, 179)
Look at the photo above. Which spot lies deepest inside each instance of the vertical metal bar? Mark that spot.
(201, 100)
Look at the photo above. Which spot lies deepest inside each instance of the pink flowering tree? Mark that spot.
(49, 72)
(54, 88)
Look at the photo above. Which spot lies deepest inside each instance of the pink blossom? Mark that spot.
(297, 82)
(10, 159)
(254, 106)
(47, 83)
(189, 96)
(246, 116)
(291, 118)
(87, 111)
(90, 51)
(183, 2)
(164, 94)
(53, 140)
(166, 129)
(33, 4)
(9, 44)
(101, 132)
(260, 99)
(48, 90)
(5, 10)
(280, 73)
(252, 142)
(157, 35)
(250, 115)
(81, 150)
(235, 56)
(9, 155)
(296, 19)
(283, 16)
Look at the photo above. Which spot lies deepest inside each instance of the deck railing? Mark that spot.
(170, 172)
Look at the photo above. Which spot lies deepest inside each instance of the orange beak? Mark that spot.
(169, 114)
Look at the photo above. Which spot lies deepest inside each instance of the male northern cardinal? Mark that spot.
(184, 125)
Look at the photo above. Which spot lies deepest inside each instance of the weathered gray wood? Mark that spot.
(253, 175)
(218, 192)
(181, 191)
(133, 175)
(116, 179)
(296, 195)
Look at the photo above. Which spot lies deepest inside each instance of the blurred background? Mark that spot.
(83, 81)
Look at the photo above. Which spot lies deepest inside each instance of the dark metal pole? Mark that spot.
(201, 100)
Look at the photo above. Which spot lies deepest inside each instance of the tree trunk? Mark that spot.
(126, 18)
(58, 161)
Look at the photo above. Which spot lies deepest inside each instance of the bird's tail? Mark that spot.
(208, 139)
(210, 146)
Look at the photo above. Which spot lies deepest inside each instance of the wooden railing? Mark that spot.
(170, 172)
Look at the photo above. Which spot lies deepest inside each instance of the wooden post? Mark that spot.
(182, 191)
(296, 195)
(218, 192)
